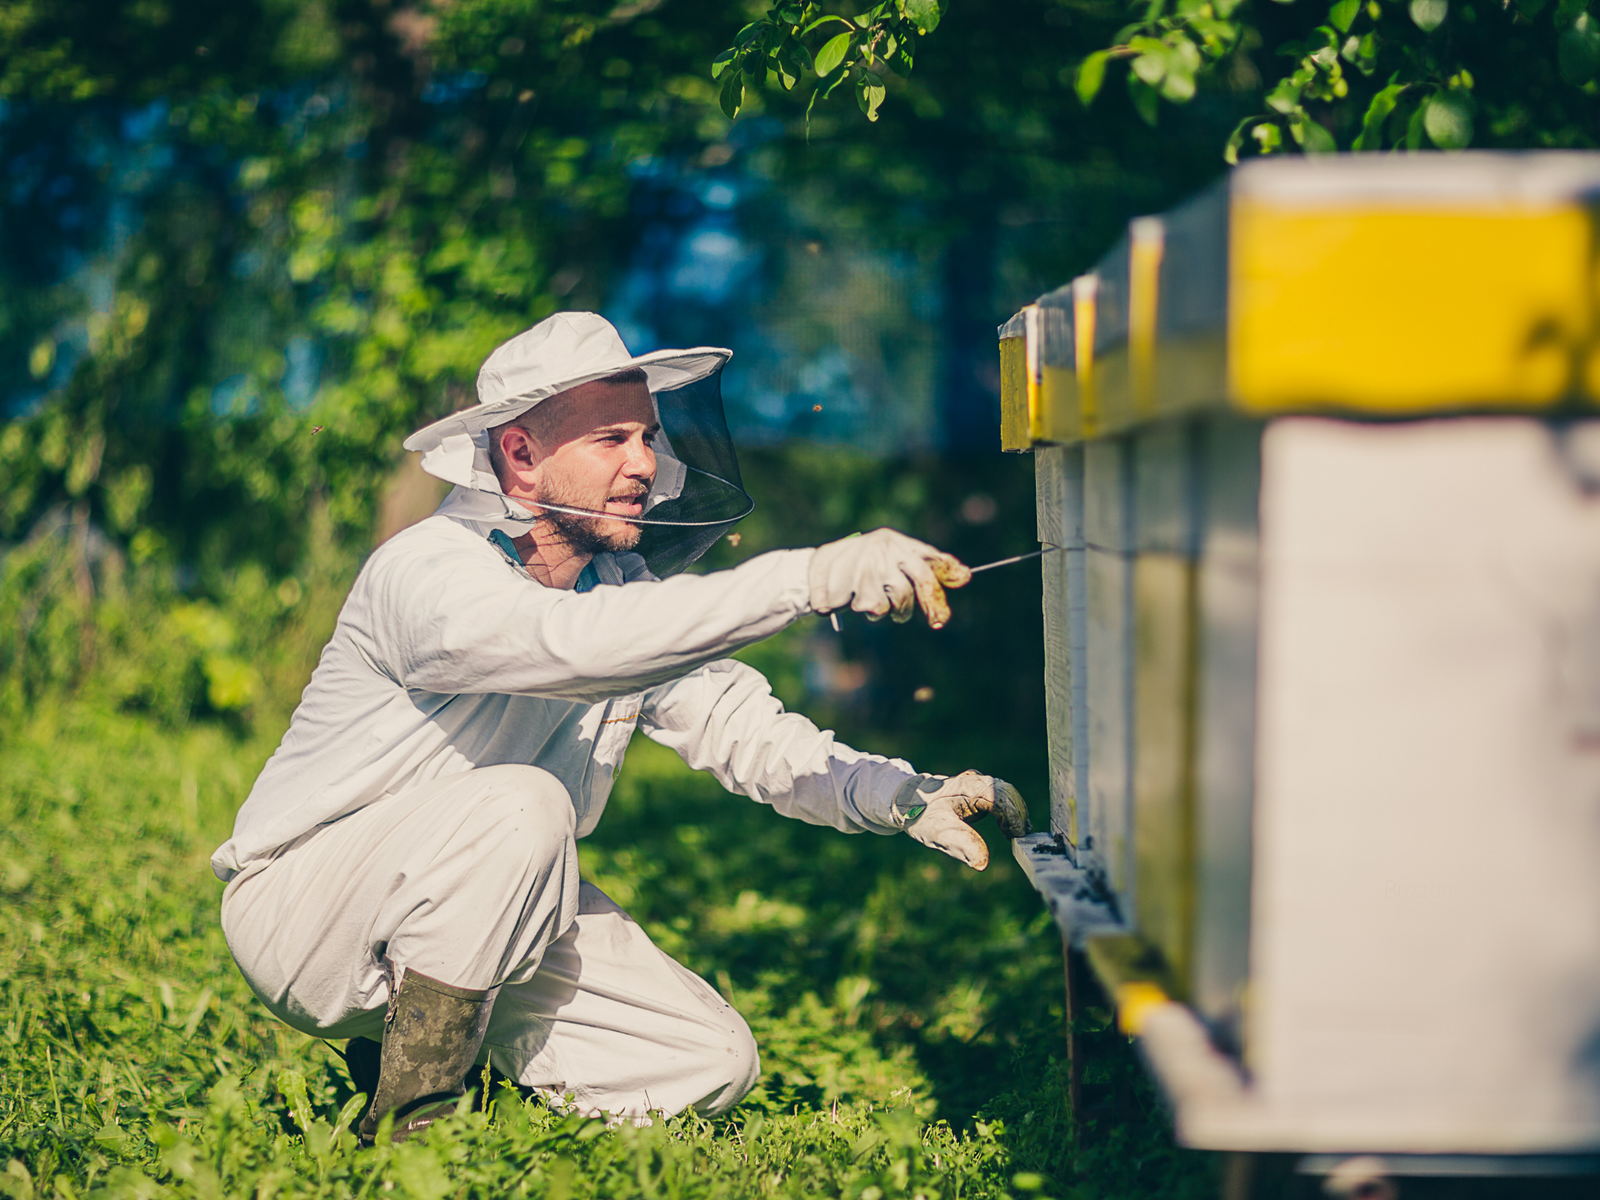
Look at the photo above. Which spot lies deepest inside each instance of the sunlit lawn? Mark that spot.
(908, 1010)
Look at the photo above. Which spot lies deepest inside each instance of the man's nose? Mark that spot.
(641, 461)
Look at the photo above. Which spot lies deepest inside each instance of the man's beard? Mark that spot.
(584, 534)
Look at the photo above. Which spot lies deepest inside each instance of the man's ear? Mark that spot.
(519, 448)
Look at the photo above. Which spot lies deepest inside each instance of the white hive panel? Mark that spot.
(1426, 936)
(1108, 603)
(1225, 710)
(1059, 478)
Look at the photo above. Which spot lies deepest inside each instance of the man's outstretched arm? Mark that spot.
(453, 623)
(724, 719)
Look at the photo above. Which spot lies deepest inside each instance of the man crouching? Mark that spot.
(405, 873)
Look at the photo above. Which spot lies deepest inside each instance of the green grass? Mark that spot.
(908, 1010)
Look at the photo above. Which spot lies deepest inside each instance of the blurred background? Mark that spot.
(245, 249)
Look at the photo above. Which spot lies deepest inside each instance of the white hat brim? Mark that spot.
(664, 369)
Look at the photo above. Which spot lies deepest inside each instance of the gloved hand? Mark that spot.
(938, 811)
(882, 573)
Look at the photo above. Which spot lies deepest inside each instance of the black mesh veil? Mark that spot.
(713, 498)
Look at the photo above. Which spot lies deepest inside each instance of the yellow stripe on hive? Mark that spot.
(1147, 237)
(1085, 288)
(1058, 404)
(1399, 311)
(1030, 360)
(1013, 395)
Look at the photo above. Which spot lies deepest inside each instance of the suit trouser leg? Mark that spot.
(614, 1025)
(472, 880)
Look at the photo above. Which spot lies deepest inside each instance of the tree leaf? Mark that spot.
(731, 97)
(1416, 135)
(869, 94)
(1186, 52)
(1146, 102)
(1091, 74)
(719, 64)
(1377, 113)
(821, 21)
(1222, 33)
(1178, 87)
(832, 53)
(1285, 97)
(1313, 137)
(1150, 68)
(1343, 14)
(1447, 119)
(1363, 53)
(924, 14)
(1264, 132)
(1268, 137)
(1428, 15)
(787, 76)
(1578, 51)
(1230, 152)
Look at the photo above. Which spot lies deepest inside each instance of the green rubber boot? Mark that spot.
(431, 1036)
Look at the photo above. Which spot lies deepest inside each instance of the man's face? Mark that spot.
(588, 447)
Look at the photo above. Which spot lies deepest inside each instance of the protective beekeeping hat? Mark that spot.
(697, 494)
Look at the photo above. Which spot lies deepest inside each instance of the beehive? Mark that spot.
(1322, 648)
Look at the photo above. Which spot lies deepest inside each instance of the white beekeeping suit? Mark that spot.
(448, 657)
(464, 726)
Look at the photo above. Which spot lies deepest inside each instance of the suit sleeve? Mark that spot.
(468, 623)
(724, 719)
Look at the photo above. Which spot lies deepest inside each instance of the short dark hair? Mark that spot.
(497, 458)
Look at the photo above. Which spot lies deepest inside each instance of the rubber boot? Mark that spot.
(432, 1033)
(363, 1056)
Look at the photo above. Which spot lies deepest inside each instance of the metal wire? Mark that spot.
(749, 506)
(1015, 558)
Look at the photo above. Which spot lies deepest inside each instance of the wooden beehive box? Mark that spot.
(1323, 648)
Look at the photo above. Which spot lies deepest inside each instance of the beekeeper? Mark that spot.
(404, 872)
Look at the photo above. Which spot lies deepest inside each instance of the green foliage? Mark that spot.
(330, 212)
(857, 49)
(893, 993)
(908, 1010)
(315, 197)
(1368, 76)
(87, 619)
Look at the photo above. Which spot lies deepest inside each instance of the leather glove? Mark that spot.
(883, 573)
(939, 810)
